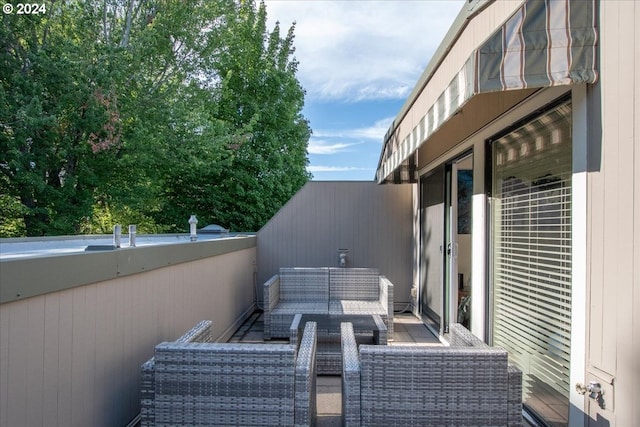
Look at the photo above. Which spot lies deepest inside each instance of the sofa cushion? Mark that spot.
(295, 307)
(357, 307)
(304, 284)
(360, 284)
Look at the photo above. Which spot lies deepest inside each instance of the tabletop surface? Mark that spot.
(333, 321)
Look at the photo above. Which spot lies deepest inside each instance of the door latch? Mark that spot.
(595, 391)
(452, 250)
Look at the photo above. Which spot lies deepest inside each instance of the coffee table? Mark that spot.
(369, 329)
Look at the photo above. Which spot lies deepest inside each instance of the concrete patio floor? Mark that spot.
(408, 330)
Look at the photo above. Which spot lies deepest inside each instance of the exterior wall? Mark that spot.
(373, 222)
(72, 357)
(606, 212)
(613, 209)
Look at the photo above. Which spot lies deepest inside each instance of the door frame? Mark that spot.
(451, 233)
(449, 244)
(435, 325)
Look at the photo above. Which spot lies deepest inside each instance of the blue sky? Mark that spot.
(359, 61)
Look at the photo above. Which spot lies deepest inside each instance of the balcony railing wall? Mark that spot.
(71, 356)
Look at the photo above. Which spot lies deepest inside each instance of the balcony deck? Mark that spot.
(408, 329)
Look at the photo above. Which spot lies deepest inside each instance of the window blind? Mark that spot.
(531, 256)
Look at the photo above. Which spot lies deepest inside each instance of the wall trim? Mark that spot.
(579, 244)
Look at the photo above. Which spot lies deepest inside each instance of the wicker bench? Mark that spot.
(467, 384)
(325, 290)
(203, 383)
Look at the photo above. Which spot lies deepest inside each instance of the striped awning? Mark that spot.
(544, 43)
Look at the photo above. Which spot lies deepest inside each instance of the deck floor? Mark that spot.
(408, 330)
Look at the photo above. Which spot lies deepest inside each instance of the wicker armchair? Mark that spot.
(190, 383)
(467, 384)
(199, 333)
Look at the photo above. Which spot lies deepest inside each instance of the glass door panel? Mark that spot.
(431, 238)
(459, 192)
(531, 257)
(461, 232)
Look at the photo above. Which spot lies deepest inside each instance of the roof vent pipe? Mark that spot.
(193, 221)
(117, 235)
(132, 235)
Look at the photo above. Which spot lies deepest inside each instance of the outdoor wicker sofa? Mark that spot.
(191, 383)
(325, 291)
(466, 384)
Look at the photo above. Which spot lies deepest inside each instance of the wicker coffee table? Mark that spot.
(369, 329)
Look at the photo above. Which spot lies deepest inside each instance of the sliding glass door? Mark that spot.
(431, 241)
(458, 240)
(531, 169)
(445, 212)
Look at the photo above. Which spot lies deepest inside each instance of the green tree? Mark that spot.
(262, 98)
(145, 112)
(49, 110)
(252, 154)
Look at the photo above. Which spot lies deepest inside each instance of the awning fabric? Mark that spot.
(543, 44)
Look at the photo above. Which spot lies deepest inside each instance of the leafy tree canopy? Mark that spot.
(145, 112)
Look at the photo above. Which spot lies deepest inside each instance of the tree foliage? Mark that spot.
(145, 112)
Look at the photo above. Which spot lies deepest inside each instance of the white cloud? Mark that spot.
(362, 50)
(317, 169)
(374, 132)
(324, 147)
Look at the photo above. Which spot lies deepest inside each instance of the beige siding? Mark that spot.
(613, 190)
(72, 358)
(614, 212)
(373, 222)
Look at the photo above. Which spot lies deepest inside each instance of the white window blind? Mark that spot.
(531, 220)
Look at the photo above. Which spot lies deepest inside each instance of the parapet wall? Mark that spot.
(72, 342)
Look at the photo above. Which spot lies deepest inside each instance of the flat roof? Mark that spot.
(29, 247)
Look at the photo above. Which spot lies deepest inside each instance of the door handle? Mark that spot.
(595, 391)
(452, 250)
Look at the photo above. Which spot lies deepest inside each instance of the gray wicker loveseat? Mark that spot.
(189, 383)
(466, 384)
(325, 290)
